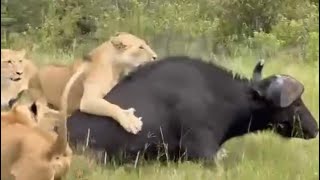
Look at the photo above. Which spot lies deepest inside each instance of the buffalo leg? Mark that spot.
(199, 145)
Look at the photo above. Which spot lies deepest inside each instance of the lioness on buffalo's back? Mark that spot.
(89, 80)
(193, 107)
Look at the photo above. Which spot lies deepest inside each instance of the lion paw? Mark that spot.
(130, 122)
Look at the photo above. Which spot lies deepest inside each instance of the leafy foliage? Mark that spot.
(173, 26)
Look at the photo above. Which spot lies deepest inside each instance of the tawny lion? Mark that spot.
(29, 152)
(16, 71)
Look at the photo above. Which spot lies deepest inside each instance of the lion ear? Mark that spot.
(22, 52)
(119, 33)
(87, 57)
(33, 108)
(19, 97)
(117, 43)
(4, 52)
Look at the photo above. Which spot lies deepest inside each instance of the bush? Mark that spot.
(265, 44)
(247, 16)
(172, 26)
(312, 48)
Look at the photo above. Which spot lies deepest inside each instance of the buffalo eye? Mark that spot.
(299, 103)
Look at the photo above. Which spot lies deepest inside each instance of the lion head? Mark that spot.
(131, 50)
(21, 113)
(12, 64)
(30, 115)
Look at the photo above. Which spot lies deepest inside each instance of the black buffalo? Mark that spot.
(190, 108)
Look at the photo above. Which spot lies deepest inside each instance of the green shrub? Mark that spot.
(291, 32)
(226, 27)
(247, 16)
(312, 48)
(266, 44)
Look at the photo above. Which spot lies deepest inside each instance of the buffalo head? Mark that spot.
(280, 98)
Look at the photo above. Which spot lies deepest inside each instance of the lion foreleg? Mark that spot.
(92, 102)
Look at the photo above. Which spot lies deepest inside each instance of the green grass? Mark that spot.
(262, 156)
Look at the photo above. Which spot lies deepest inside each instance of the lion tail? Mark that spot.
(61, 142)
(66, 91)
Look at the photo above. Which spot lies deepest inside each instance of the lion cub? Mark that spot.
(31, 152)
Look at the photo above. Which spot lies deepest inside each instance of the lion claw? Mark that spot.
(130, 111)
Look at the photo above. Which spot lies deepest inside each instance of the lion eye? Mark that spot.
(141, 47)
(20, 61)
(9, 61)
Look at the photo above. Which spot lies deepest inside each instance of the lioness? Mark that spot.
(93, 78)
(16, 72)
(31, 152)
(102, 71)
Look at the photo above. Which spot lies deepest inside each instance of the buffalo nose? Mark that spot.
(311, 135)
(316, 133)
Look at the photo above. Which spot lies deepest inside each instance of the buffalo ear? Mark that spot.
(284, 90)
(281, 90)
